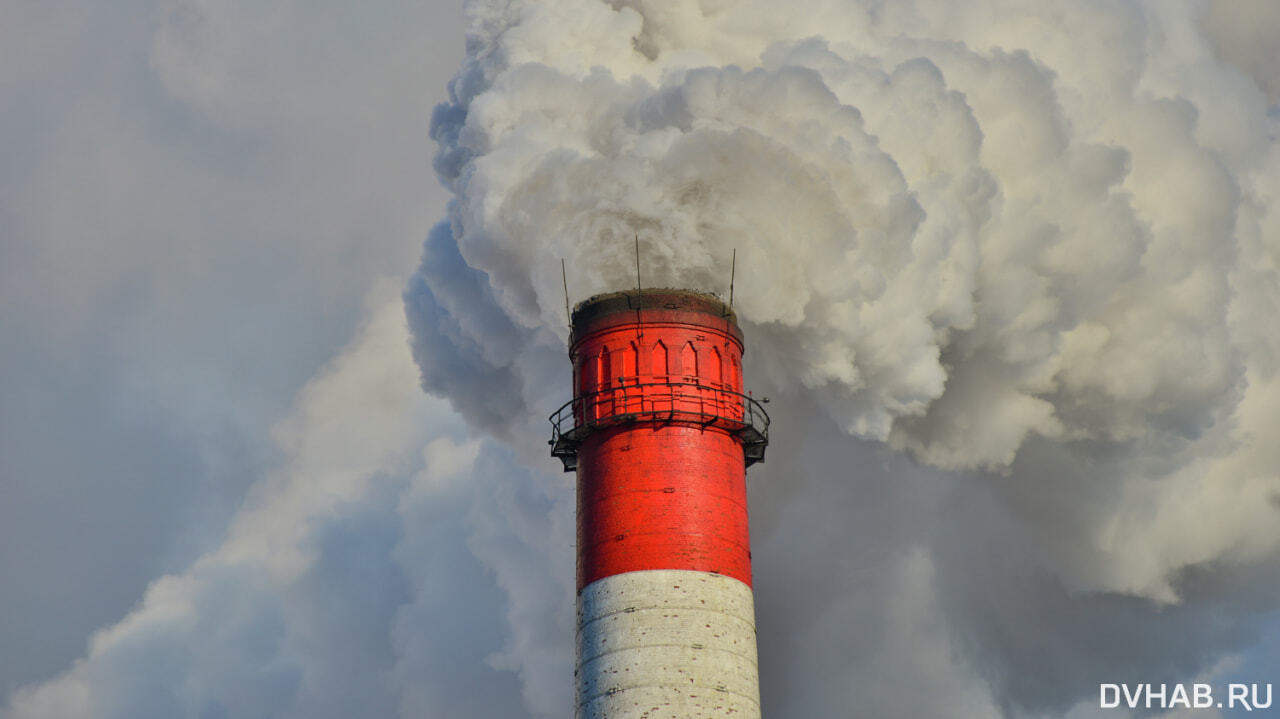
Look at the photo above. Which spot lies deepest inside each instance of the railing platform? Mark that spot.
(660, 403)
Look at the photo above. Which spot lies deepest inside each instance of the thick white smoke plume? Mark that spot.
(1033, 245)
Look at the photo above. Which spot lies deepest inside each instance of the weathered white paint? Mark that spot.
(667, 644)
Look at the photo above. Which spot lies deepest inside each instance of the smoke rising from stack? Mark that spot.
(1033, 247)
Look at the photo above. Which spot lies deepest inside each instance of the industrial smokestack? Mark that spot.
(660, 434)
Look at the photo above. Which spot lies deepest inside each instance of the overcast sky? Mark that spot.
(1026, 452)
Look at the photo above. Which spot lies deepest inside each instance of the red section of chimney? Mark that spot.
(670, 499)
(660, 427)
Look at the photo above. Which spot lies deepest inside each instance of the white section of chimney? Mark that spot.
(667, 644)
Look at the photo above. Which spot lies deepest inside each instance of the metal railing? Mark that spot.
(662, 403)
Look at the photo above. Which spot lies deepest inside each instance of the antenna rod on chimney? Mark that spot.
(639, 292)
(637, 263)
(733, 267)
(565, 279)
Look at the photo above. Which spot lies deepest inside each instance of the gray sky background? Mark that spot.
(197, 200)
(224, 494)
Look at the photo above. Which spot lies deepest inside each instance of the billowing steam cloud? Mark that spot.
(1032, 245)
